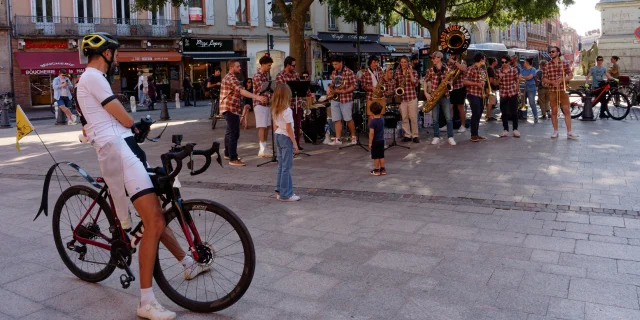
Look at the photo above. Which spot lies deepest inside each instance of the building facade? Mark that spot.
(620, 33)
(46, 37)
(570, 41)
(5, 53)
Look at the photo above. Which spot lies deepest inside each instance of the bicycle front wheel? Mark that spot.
(576, 103)
(226, 253)
(619, 106)
(88, 262)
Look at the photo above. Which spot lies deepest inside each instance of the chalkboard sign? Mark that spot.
(174, 72)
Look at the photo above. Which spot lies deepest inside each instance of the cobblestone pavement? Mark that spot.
(526, 228)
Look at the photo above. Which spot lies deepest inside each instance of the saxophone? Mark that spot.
(380, 89)
(334, 95)
(400, 90)
(443, 88)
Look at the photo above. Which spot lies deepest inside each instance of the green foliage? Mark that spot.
(153, 5)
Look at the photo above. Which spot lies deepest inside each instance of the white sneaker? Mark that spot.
(516, 134)
(354, 140)
(292, 199)
(572, 135)
(451, 141)
(336, 142)
(196, 269)
(74, 118)
(264, 154)
(71, 123)
(436, 140)
(462, 129)
(504, 133)
(154, 311)
(443, 128)
(554, 135)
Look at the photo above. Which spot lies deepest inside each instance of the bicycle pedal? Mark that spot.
(126, 280)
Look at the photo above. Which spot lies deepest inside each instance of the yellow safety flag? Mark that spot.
(23, 126)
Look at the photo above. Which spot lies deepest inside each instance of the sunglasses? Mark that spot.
(553, 51)
(600, 60)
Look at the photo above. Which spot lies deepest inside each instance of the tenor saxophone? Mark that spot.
(334, 95)
(400, 90)
(443, 88)
(379, 90)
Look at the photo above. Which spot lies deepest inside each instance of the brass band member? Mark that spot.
(475, 80)
(407, 79)
(508, 76)
(343, 82)
(433, 79)
(459, 92)
(556, 75)
(389, 83)
(493, 80)
(261, 109)
(370, 79)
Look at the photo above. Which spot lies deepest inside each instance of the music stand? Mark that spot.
(299, 89)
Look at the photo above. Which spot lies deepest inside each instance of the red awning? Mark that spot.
(36, 63)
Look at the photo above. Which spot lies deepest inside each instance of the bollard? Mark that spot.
(587, 109)
(164, 113)
(132, 102)
(177, 100)
(4, 118)
(61, 118)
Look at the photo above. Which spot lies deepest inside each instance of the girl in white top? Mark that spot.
(285, 142)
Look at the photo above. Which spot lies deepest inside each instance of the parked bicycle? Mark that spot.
(92, 243)
(618, 105)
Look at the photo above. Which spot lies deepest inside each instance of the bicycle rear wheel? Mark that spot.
(88, 262)
(620, 106)
(226, 248)
(576, 103)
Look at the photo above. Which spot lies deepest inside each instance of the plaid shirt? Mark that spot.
(230, 94)
(409, 86)
(508, 82)
(475, 74)
(459, 82)
(258, 79)
(348, 78)
(434, 79)
(554, 71)
(367, 81)
(283, 78)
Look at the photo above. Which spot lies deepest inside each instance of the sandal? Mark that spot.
(375, 172)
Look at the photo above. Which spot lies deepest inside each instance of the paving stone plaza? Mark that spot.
(514, 229)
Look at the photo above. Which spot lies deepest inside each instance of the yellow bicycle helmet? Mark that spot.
(97, 43)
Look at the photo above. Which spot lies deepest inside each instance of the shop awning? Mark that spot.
(37, 63)
(149, 56)
(349, 47)
(215, 56)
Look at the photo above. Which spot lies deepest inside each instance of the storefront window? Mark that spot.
(195, 10)
(41, 92)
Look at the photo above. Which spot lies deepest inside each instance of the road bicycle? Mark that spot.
(618, 105)
(92, 243)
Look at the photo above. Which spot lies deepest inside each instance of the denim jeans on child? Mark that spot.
(284, 184)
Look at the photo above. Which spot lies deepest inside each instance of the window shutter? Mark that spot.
(210, 12)
(267, 13)
(96, 11)
(56, 11)
(231, 12)
(184, 14)
(253, 12)
(33, 11)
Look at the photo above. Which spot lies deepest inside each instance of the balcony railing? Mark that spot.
(28, 26)
(534, 36)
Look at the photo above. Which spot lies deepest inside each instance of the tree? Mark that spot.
(498, 13)
(294, 13)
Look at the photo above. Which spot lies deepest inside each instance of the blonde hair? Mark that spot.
(280, 100)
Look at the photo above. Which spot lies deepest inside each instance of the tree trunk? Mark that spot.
(296, 38)
(434, 32)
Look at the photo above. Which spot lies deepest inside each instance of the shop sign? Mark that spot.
(39, 72)
(195, 14)
(149, 59)
(207, 45)
(347, 37)
(45, 44)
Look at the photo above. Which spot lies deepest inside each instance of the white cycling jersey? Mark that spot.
(121, 169)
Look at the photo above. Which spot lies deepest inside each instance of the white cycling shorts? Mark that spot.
(124, 173)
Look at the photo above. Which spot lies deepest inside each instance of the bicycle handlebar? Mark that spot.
(215, 148)
(178, 157)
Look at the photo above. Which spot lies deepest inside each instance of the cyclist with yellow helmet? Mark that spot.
(107, 126)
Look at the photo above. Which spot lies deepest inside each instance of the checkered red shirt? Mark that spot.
(258, 79)
(367, 81)
(475, 74)
(347, 77)
(435, 78)
(459, 82)
(409, 86)
(554, 71)
(509, 86)
(230, 94)
(284, 77)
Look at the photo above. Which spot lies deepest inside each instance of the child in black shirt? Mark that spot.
(376, 140)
